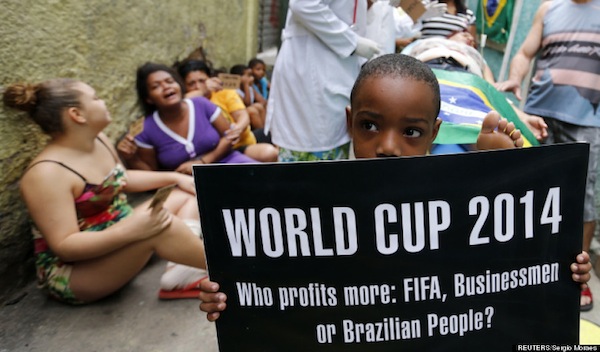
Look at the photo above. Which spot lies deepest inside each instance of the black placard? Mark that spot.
(452, 252)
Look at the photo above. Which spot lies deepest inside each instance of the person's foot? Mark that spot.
(498, 133)
(586, 302)
(180, 281)
(177, 276)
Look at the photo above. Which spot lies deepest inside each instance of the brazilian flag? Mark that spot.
(495, 18)
(466, 99)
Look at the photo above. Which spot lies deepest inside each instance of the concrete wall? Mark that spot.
(100, 42)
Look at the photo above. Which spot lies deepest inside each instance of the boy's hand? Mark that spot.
(581, 268)
(213, 301)
(247, 80)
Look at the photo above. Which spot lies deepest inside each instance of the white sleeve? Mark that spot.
(320, 20)
(405, 27)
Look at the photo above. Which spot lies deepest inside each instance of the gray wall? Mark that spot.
(100, 42)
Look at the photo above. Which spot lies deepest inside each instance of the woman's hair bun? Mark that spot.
(22, 96)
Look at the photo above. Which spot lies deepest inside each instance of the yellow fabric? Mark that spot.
(589, 333)
(229, 101)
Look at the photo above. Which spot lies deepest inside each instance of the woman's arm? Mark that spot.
(242, 121)
(141, 180)
(136, 157)
(49, 192)
(223, 147)
(222, 126)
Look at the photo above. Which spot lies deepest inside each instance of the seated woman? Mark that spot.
(89, 242)
(178, 132)
(197, 78)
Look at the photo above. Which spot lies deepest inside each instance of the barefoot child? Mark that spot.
(394, 107)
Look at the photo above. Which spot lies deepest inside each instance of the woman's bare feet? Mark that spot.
(498, 133)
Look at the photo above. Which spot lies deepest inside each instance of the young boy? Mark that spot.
(254, 101)
(394, 107)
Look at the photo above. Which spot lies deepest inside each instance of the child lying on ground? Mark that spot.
(394, 107)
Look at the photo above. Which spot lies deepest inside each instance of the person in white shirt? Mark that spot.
(315, 69)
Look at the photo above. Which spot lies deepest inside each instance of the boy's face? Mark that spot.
(248, 75)
(392, 117)
(258, 71)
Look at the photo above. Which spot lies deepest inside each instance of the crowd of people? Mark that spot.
(332, 60)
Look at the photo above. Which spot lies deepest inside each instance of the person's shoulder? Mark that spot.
(232, 96)
(545, 5)
(225, 93)
(540, 14)
(45, 170)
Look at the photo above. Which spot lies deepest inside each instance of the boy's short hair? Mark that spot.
(399, 66)
(238, 69)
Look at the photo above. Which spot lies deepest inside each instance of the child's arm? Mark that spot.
(246, 87)
(259, 97)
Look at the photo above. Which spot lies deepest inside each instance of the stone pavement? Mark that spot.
(133, 320)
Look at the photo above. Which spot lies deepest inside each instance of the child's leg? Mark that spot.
(498, 133)
(263, 152)
(97, 278)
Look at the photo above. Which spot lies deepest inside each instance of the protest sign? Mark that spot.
(450, 252)
(230, 81)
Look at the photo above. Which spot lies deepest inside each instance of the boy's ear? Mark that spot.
(436, 128)
(349, 120)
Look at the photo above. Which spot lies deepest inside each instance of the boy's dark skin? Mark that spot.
(383, 123)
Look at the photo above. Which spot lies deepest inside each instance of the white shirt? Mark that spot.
(314, 74)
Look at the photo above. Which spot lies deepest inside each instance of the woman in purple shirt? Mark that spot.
(178, 133)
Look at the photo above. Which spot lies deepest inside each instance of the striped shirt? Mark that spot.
(447, 24)
(566, 85)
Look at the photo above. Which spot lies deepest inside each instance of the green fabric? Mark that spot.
(452, 133)
(495, 25)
